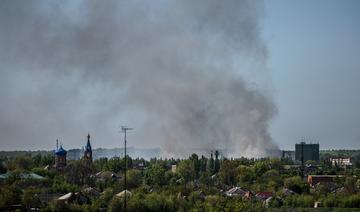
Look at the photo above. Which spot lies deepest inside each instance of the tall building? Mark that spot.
(60, 156)
(305, 152)
(88, 150)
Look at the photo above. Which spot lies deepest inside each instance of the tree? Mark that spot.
(79, 172)
(186, 170)
(116, 204)
(115, 164)
(273, 179)
(10, 195)
(217, 162)
(101, 164)
(134, 178)
(227, 172)
(158, 202)
(302, 201)
(155, 175)
(37, 160)
(275, 203)
(3, 168)
(196, 164)
(48, 159)
(260, 168)
(296, 184)
(23, 162)
(211, 164)
(245, 174)
(203, 163)
(357, 185)
(350, 184)
(30, 199)
(136, 202)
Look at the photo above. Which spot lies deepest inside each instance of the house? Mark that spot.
(67, 198)
(46, 197)
(106, 175)
(140, 165)
(248, 195)
(72, 197)
(264, 195)
(287, 192)
(22, 176)
(235, 192)
(315, 179)
(91, 192)
(123, 193)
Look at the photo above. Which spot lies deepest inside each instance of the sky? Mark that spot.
(315, 69)
(244, 75)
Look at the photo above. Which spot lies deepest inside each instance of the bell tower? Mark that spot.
(88, 149)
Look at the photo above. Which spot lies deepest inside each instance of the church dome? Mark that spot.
(60, 151)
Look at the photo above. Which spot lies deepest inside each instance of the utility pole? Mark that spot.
(124, 129)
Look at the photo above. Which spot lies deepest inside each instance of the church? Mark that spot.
(61, 154)
(88, 150)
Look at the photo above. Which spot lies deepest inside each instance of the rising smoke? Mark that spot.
(168, 68)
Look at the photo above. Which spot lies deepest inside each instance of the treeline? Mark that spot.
(197, 183)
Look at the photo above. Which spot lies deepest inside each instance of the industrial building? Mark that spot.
(305, 152)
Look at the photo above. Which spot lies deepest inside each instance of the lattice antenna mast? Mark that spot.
(124, 129)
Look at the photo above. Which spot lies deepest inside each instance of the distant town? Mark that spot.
(105, 180)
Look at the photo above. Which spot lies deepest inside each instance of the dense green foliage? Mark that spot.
(196, 184)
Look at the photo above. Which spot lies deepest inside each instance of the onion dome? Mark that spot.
(60, 151)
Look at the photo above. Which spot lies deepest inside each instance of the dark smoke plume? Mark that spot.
(171, 69)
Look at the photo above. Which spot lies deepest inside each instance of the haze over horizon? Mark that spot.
(243, 75)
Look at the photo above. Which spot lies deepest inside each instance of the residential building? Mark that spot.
(305, 152)
(341, 162)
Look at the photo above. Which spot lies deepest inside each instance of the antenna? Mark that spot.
(124, 129)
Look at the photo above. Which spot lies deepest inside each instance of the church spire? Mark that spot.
(88, 145)
(88, 149)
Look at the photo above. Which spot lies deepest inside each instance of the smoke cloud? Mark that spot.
(170, 69)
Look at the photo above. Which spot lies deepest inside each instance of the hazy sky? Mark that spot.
(241, 71)
(315, 68)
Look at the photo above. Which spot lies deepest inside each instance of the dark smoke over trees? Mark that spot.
(171, 69)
